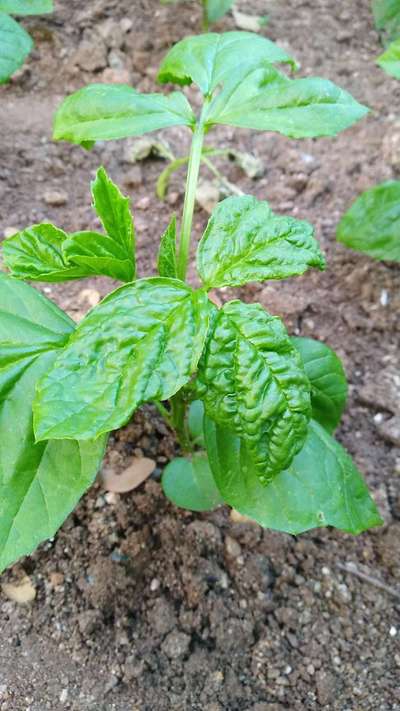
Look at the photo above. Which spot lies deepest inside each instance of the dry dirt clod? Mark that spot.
(22, 592)
(129, 478)
(390, 430)
(207, 195)
(55, 198)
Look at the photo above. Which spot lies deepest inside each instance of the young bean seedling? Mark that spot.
(254, 410)
(15, 42)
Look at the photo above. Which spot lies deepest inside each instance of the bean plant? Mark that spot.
(15, 42)
(254, 410)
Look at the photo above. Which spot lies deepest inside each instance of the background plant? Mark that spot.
(213, 10)
(15, 42)
(229, 380)
(387, 21)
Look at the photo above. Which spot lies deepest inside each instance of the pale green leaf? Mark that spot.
(166, 262)
(390, 60)
(141, 343)
(110, 111)
(322, 486)
(189, 484)
(252, 382)
(195, 422)
(39, 483)
(372, 224)
(215, 9)
(210, 60)
(244, 241)
(15, 45)
(387, 17)
(325, 372)
(26, 7)
(262, 98)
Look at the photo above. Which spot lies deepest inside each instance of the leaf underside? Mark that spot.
(252, 382)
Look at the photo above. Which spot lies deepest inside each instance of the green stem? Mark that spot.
(178, 410)
(190, 195)
(206, 24)
(164, 413)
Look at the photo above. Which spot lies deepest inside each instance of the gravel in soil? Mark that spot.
(139, 605)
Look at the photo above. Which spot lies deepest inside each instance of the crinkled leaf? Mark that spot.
(387, 16)
(141, 343)
(110, 111)
(262, 98)
(15, 45)
(166, 263)
(244, 241)
(372, 224)
(252, 382)
(26, 7)
(36, 253)
(215, 9)
(189, 484)
(322, 486)
(390, 60)
(209, 60)
(39, 483)
(325, 372)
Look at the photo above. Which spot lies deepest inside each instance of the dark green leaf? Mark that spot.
(39, 483)
(166, 263)
(390, 60)
(37, 254)
(260, 97)
(387, 16)
(210, 60)
(325, 372)
(26, 7)
(141, 343)
(113, 209)
(109, 111)
(15, 45)
(195, 422)
(190, 484)
(372, 224)
(215, 9)
(322, 487)
(244, 241)
(252, 382)
(98, 254)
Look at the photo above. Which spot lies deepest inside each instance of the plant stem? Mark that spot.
(206, 24)
(190, 195)
(164, 413)
(178, 411)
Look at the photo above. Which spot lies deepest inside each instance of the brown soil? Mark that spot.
(143, 606)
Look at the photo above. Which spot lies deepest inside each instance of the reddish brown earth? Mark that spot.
(141, 606)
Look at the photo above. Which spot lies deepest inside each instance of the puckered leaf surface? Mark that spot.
(189, 483)
(262, 98)
(166, 262)
(322, 486)
(26, 7)
(244, 241)
(141, 343)
(390, 60)
(209, 60)
(15, 45)
(110, 111)
(252, 382)
(39, 483)
(372, 224)
(325, 372)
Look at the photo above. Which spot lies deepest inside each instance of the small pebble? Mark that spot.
(55, 198)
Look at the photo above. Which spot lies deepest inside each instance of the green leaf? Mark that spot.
(325, 372)
(39, 483)
(15, 45)
(390, 60)
(387, 16)
(141, 343)
(26, 7)
(195, 422)
(166, 262)
(244, 241)
(110, 111)
(322, 487)
(190, 484)
(210, 60)
(252, 382)
(372, 224)
(37, 254)
(215, 9)
(259, 97)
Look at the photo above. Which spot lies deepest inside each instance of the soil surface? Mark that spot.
(139, 605)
